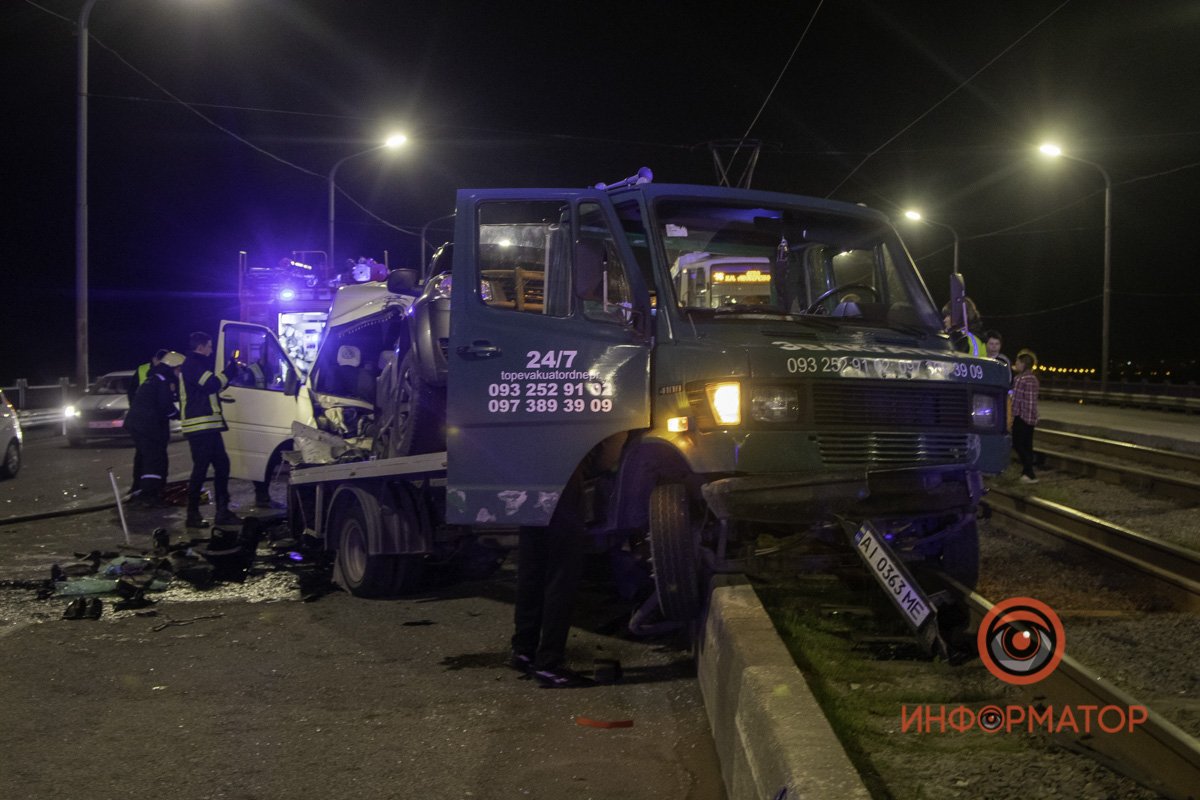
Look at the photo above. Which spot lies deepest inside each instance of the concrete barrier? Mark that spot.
(771, 735)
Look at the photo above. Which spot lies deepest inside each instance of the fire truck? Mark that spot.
(291, 297)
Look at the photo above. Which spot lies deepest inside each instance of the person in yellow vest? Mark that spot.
(964, 340)
(202, 422)
(139, 377)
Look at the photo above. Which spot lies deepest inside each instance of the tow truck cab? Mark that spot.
(714, 360)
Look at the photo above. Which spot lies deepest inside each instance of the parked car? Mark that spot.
(10, 438)
(100, 413)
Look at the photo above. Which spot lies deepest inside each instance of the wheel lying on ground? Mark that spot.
(675, 553)
(367, 574)
(11, 464)
(419, 419)
(960, 555)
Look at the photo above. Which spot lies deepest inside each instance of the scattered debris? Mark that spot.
(172, 622)
(258, 561)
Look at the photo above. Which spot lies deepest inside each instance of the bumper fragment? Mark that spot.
(808, 497)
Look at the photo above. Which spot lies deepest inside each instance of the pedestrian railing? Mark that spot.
(1152, 396)
(40, 404)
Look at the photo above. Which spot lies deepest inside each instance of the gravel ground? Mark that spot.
(1113, 625)
(864, 689)
(1123, 505)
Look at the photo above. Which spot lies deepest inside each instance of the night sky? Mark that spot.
(893, 104)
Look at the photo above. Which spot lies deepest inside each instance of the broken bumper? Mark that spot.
(801, 497)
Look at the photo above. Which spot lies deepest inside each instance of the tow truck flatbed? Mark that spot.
(429, 465)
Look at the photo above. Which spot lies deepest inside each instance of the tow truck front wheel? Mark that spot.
(675, 553)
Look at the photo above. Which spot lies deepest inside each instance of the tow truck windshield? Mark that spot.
(733, 261)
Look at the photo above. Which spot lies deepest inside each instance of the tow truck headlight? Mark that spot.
(983, 411)
(774, 404)
(70, 411)
(725, 400)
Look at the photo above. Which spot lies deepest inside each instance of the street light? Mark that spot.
(1054, 151)
(916, 216)
(391, 143)
(81, 200)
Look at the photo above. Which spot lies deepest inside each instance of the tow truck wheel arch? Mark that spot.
(379, 545)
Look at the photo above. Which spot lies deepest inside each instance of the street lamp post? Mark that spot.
(392, 142)
(81, 199)
(916, 216)
(1054, 151)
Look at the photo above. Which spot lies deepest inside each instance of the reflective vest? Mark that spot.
(975, 345)
(199, 404)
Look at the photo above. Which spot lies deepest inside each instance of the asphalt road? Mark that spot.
(244, 691)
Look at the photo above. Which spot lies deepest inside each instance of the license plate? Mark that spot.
(892, 576)
(111, 423)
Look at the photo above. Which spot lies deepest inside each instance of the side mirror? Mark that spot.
(958, 302)
(402, 281)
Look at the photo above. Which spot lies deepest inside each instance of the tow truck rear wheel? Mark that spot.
(960, 555)
(366, 574)
(675, 552)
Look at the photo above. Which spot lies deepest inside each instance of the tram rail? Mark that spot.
(1157, 753)
(1174, 570)
(1147, 456)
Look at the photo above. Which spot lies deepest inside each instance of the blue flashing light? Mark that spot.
(287, 294)
(294, 556)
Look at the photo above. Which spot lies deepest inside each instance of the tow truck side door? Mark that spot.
(549, 350)
(261, 400)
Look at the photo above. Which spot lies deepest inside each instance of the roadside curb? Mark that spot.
(770, 734)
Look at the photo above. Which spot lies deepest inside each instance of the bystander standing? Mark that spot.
(993, 341)
(1025, 413)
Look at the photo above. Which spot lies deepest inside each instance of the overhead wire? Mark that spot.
(778, 79)
(191, 107)
(952, 92)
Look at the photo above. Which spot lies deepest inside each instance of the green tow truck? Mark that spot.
(712, 363)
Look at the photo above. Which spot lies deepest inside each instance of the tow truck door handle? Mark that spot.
(228, 400)
(479, 349)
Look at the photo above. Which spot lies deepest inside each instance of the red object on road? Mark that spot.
(600, 723)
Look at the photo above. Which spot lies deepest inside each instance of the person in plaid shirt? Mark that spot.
(1025, 413)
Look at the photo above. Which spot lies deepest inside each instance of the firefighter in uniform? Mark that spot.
(139, 377)
(148, 422)
(202, 423)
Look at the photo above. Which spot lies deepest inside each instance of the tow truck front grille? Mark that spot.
(848, 404)
(844, 449)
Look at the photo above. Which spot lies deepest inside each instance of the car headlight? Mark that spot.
(983, 411)
(774, 404)
(70, 411)
(725, 400)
